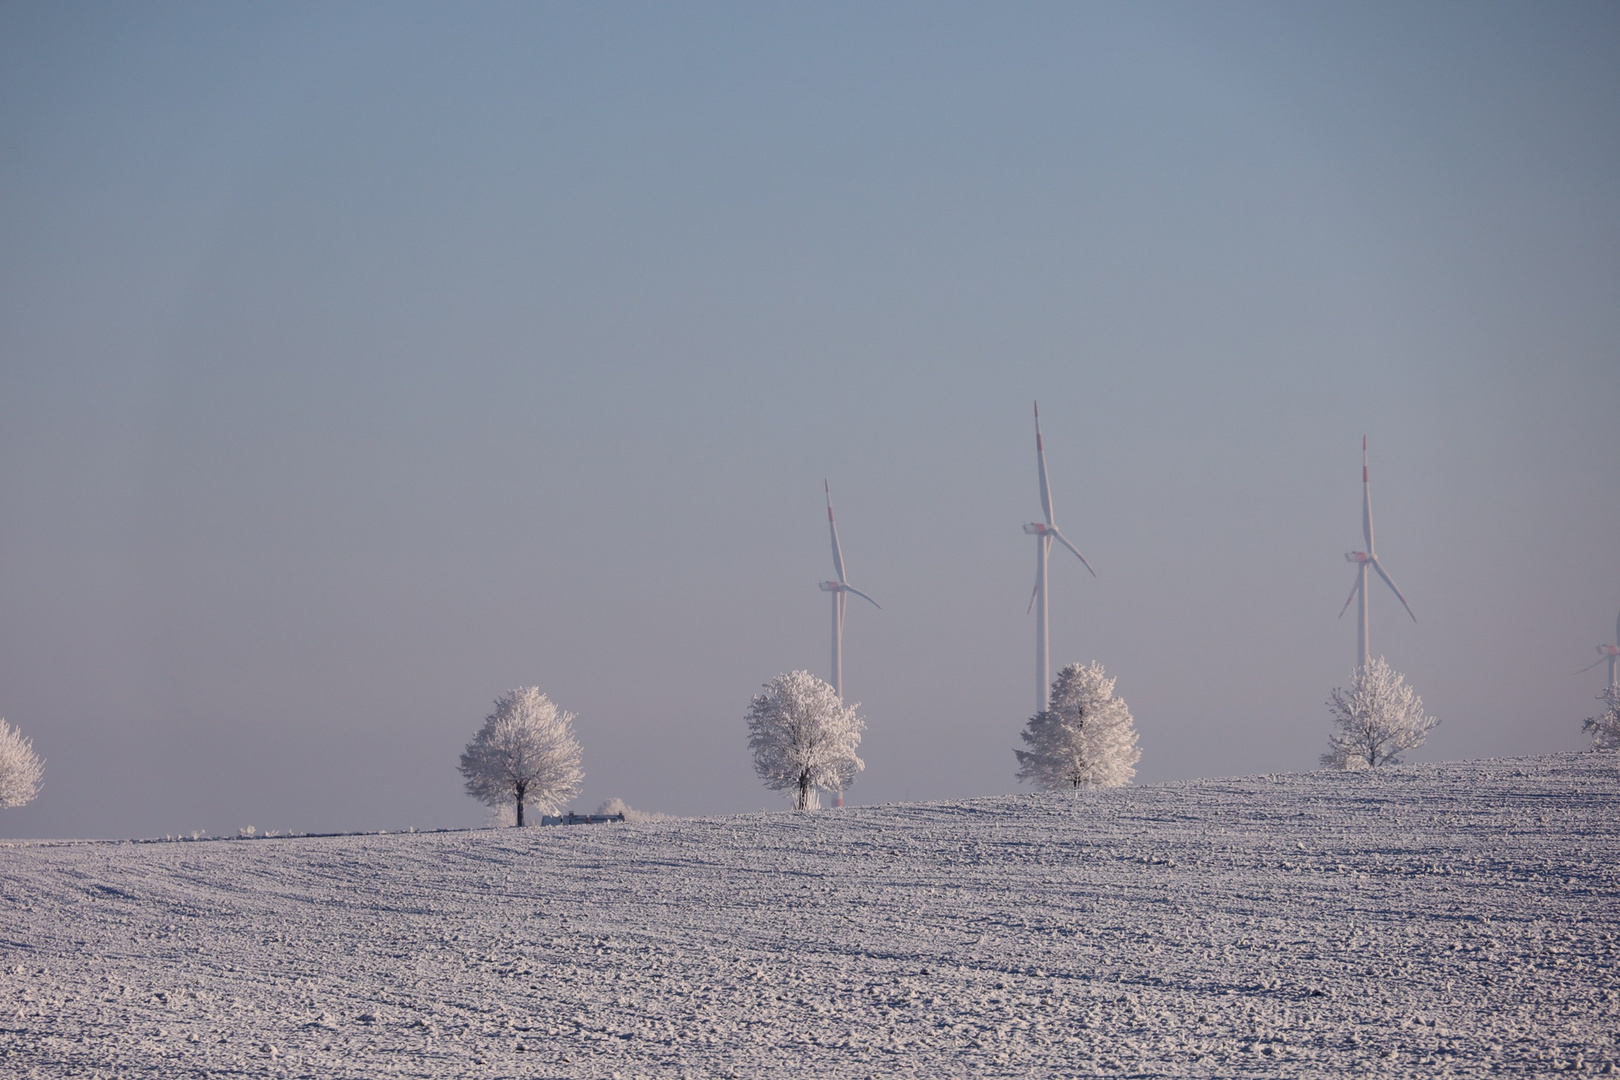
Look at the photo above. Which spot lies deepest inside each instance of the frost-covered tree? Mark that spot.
(525, 754)
(1085, 738)
(804, 738)
(20, 768)
(1378, 717)
(1605, 726)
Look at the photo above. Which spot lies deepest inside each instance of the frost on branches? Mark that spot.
(1605, 726)
(804, 738)
(20, 767)
(525, 754)
(1378, 717)
(1085, 738)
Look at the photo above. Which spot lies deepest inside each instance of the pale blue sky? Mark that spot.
(360, 362)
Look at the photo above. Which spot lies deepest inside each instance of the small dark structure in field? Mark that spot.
(572, 818)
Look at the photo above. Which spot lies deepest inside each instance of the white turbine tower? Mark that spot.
(838, 589)
(1044, 533)
(1611, 653)
(1363, 560)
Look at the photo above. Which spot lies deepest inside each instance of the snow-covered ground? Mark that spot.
(1422, 920)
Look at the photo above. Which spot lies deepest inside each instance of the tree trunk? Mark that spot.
(520, 806)
(804, 789)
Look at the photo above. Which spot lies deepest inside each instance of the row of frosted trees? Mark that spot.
(805, 739)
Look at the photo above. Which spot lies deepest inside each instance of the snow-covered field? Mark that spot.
(1424, 920)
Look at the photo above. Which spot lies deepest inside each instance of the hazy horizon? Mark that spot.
(358, 364)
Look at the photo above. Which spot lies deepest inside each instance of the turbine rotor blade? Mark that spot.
(1040, 456)
(1353, 590)
(863, 596)
(838, 556)
(1590, 666)
(1064, 541)
(1388, 581)
(1032, 594)
(1617, 629)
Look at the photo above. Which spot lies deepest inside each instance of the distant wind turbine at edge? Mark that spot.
(1611, 653)
(1365, 559)
(838, 589)
(1044, 533)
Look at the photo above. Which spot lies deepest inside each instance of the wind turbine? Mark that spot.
(1363, 560)
(838, 589)
(1611, 653)
(1044, 532)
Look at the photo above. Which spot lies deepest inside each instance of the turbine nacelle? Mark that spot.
(831, 586)
(1037, 528)
(1608, 650)
(1357, 557)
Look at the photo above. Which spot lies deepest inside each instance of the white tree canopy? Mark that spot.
(804, 738)
(1605, 726)
(1377, 718)
(525, 754)
(1085, 738)
(20, 768)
